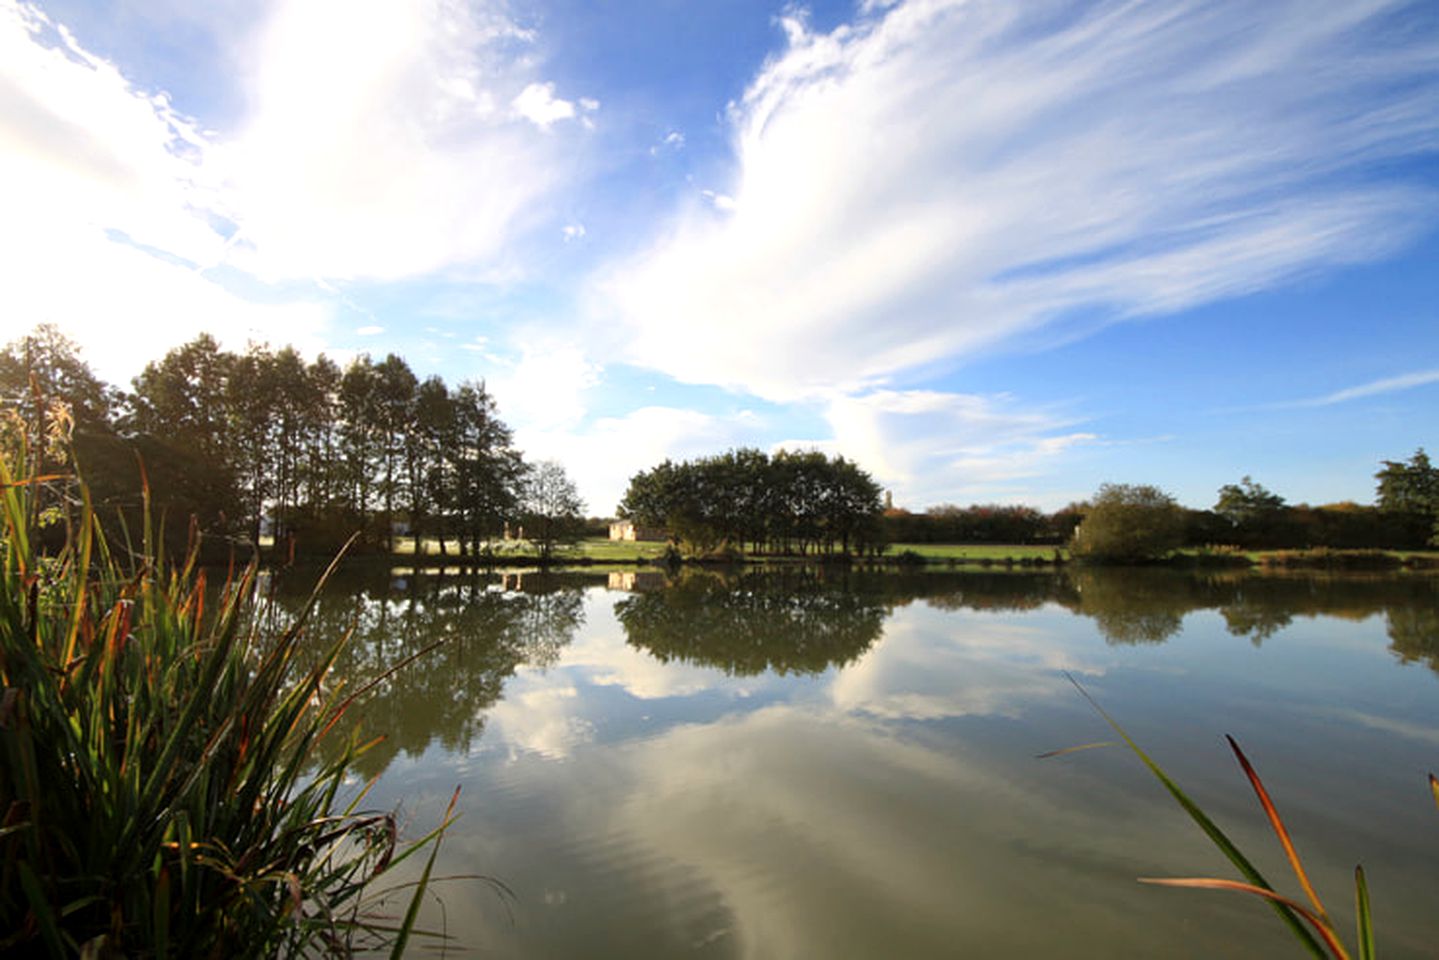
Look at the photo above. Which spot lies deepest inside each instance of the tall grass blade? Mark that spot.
(1335, 947)
(40, 911)
(1280, 830)
(1434, 788)
(1209, 827)
(1363, 918)
(413, 913)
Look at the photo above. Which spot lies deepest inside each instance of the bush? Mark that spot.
(160, 788)
(1128, 523)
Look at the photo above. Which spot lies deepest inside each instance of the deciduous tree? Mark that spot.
(1129, 522)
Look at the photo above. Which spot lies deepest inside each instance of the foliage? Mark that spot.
(1255, 516)
(793, 502)
(551, 508)
(796, 622)
(490, 633)
(1411, 487)
(977, 523)
(1128, 523)
(262, 442)
(1242, 502)
(158, 783)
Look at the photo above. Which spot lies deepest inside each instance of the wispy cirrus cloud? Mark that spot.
(940, 176)
(1374, 388)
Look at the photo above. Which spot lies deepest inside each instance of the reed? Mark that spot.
(1307, 920)
(160, 790)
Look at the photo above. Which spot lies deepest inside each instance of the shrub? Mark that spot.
(160, 791)
(1128, 523)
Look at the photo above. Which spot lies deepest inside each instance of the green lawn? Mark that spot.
(601, 548)
(977, 551)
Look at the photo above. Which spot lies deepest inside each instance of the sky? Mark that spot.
(992, 251)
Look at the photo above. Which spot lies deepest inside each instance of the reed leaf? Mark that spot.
(1326, 933)
(1216, 836)
(159, 792)
(1362, 916)
(1277, 823)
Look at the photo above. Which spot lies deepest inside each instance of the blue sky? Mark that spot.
(993, 251)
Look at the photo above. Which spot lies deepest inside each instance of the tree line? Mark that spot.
(1138, 521)
(263, 442)
(794, 502)
(1246, 514)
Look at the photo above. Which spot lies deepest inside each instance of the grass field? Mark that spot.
(598, 548)
(976, 552)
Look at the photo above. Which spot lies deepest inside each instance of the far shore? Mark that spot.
(598, 552)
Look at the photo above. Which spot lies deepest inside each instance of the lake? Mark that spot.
(843, 763)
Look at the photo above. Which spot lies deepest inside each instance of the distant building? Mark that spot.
(628, 530)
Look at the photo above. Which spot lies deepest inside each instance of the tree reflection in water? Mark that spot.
(483, 633)
(798, 621)
(794, 620)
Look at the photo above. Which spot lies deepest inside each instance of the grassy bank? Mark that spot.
(979, 552)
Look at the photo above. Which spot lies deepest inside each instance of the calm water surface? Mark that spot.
(842, 764)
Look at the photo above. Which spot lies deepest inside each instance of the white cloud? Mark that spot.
(1005, 667)
(573, 231)
(370, 331)
(374, 146)
(1406, 381)
(929, 446)
(538, 104)
(674, 140)
(942, 175)
(131, 307)
(602, 455)
(722, 202)
(536, 715)
(79, 144)
(546, 388)
(603, 658)
(369, 149)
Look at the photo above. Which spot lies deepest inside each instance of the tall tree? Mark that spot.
(395, 415)
(551, 508)
(359, 434)
(1411, 487)
(182, 397)
(795, 501)
(320, 473)
(252, 399)
(487, 469)
(428, 479)
(1254, 514)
